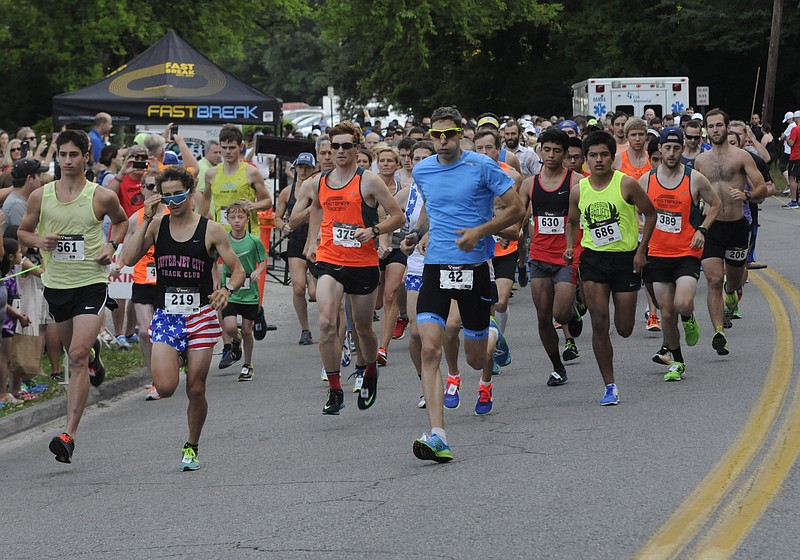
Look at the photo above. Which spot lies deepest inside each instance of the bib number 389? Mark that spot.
(182, 301)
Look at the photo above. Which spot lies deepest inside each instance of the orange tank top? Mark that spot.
(630, 170)
(512, 247)
(673, 233)
(144, 271)
(344, 211)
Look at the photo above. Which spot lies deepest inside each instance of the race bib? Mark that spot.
(345, 235)
(245, 286)
(69, 248)
(150, 276)
(605, 232)
(668, 222)
(736, 254)
(551, 225)
(182, 301)
(455, 278)
(223, 216)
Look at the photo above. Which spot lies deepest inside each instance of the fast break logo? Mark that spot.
(180, 69)
(203, 111)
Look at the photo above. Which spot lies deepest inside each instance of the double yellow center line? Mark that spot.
(744, 508)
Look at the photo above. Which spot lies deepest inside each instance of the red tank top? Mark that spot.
(673, 233)
(343, 211)
(630, 170)
(549, 212)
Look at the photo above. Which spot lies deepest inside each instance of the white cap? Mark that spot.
(797, 114)
(697, 117)
(788, 116)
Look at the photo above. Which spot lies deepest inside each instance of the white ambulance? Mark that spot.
(598, 96)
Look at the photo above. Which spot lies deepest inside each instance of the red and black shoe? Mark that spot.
(62, 447)
(97, 371)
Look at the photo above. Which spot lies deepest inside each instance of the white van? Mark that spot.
(598, 96)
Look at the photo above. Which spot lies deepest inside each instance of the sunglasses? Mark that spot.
(150, 186)
(31, 138)
(16, 149)
(175, 199)
(140, 157)
(447, 133)
(344, 145)
(689, 137)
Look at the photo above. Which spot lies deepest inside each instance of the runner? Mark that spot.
(303, 168)
(552, 282)
(143, 293)
(611, 263)
(185, 325)
(344, 210)
(234, 180)
(728, 169)
(675, 248)
(69, 215)
(459, 190)
(245, 301)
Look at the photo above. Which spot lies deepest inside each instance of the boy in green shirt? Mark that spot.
(245, 301)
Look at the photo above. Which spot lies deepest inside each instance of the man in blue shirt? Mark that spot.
(99, 134)
(459, 189)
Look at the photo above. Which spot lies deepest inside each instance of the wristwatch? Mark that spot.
(702, 229)
(376, 231)
(748, 195)
(114, 244)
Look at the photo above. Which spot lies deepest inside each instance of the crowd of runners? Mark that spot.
(434, 225)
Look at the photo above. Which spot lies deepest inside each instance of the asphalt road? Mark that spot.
(549, 474)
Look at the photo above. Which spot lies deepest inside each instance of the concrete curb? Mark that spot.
(57, 408)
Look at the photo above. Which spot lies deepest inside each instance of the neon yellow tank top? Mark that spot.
(227, 189)
(609, 222)
(72, 264)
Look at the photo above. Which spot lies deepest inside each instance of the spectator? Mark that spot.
(99, 134)
(26, 178)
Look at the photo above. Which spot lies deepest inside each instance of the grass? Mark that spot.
(118, 363)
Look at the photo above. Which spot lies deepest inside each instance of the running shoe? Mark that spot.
(611, 397)
(189, 460)
(122, 342)
(576, 325)
(675, 372)
(736, 314)
(557, 379)
(151, 394)
(57, 376)
(324, 375)
(399, 330)
(432, 448)
(375, 317)
(652, 323)
(731, 301)
(132, 339)
(792, 204)
(97, 371)
(720, 344)
(347, 356)
(305, 338)
(727, 320)
(452, 400)
(236, 347)
(358, 382)
(570, 351)
(663, 356)
(495, 368)
(348, 339)
(369, 389)
(383, 356)
(246, 374)
(227, 359)
(691, 331)
(422, 403)
(484, 404)
(62, 447)
(335, 402)
(581, 307)
(502, 353)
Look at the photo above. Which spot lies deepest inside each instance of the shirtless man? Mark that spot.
(728, 169)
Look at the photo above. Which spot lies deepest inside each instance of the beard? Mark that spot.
(512, 144)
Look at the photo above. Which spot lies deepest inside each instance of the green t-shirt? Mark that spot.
(251, 252)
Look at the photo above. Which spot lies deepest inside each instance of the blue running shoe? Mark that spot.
(484, 404)
(495, 368)
(451, 397)
(432, 448)
(502, 353)
(611, 397)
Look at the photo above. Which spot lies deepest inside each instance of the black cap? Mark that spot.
(26, 167)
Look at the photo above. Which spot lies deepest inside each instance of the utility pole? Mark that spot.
(772, 62)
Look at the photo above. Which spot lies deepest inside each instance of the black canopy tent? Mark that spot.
(169, 82)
